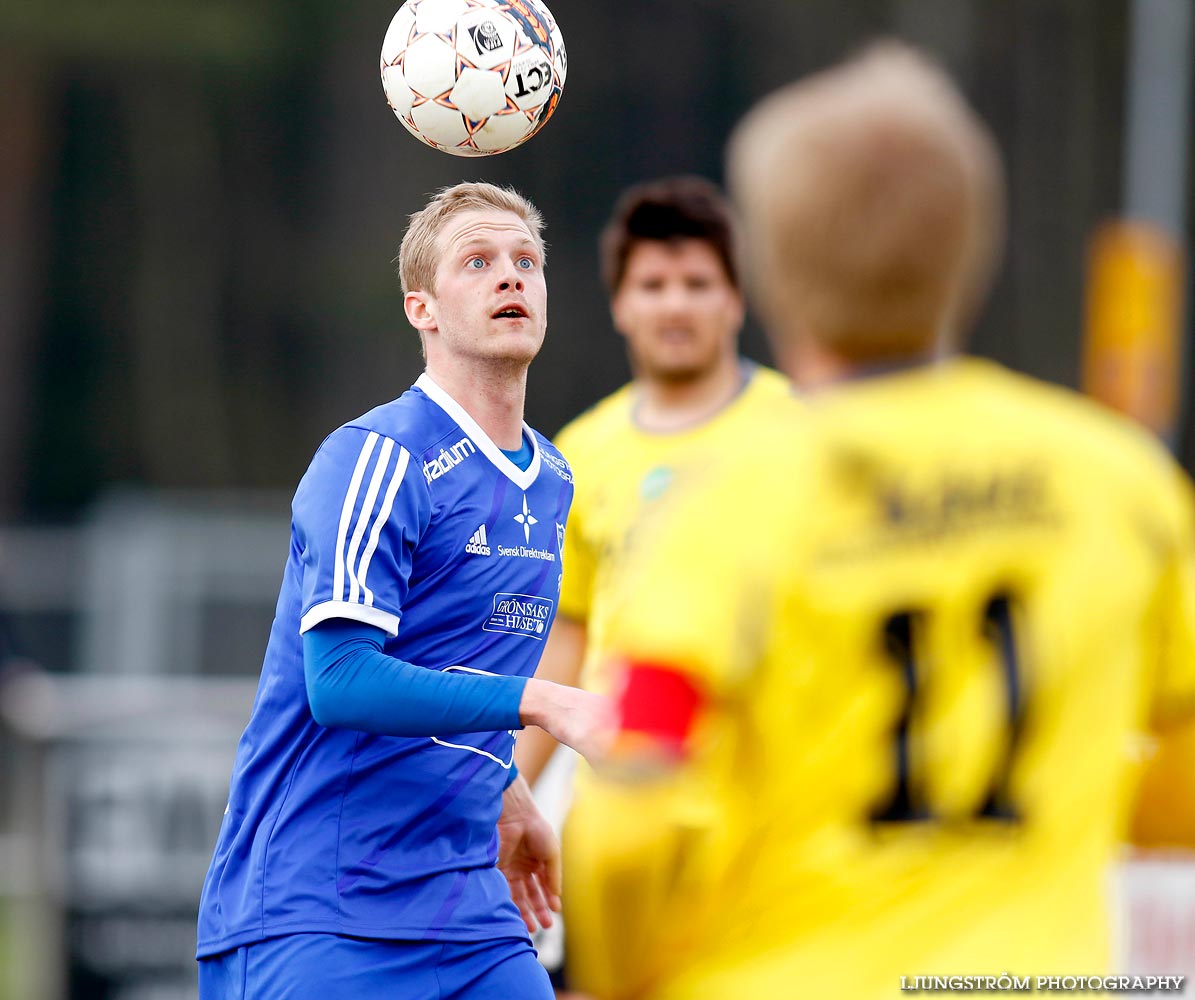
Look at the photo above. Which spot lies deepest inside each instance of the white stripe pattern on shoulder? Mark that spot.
(400, 470)
(346, 513)
(352, 561)
(371, 497)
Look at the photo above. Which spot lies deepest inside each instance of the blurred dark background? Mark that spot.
(199, 204)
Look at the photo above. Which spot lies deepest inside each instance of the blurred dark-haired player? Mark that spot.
(670, 261)
(918, 628)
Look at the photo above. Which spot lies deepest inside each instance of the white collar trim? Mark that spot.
(521, 478)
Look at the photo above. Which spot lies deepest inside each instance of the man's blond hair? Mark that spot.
(419, 255)
(873, 200)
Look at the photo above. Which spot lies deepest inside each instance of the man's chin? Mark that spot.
(676, 373)
(513, 351)
(686, 363)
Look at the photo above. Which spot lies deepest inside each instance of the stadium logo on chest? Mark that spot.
(448, 459)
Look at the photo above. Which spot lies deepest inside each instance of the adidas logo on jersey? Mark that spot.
(478, 545)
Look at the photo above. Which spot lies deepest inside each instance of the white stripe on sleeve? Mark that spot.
(371, 498)
(400, 470)
(346, 513)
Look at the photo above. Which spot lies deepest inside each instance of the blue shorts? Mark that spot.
(333, 967)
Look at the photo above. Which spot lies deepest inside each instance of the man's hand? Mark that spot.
(561, 661)
(529, 856)
(584, 721)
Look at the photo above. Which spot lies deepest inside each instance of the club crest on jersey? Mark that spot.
(653, 485)
(478, 545)
(448, 459)
(520, 614)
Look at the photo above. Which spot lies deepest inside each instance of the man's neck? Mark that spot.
(492, 394)
(814, 367)
(662, 406)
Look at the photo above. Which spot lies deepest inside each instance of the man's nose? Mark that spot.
(676, 299)
(510, 278)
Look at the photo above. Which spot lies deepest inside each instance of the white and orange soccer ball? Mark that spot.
(473, 77)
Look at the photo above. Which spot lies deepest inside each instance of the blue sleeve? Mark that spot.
(358, 514)
(352, 684)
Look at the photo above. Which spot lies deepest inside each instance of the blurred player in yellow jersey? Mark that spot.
(669, 259)
(916, 630)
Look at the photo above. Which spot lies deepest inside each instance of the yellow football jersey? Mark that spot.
(618, 468)
(929, 618)
(620, 847)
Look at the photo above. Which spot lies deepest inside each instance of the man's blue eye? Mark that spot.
(477, 263)
(525, 264)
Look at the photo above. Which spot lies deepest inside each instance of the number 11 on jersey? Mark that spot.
(956, 738)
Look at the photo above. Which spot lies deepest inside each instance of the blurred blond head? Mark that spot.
(873, 201)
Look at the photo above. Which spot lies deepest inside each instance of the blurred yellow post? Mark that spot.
(1132, 350)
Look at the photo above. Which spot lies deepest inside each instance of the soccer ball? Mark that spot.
(473, 77)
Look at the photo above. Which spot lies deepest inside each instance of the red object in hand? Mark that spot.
(660, 702)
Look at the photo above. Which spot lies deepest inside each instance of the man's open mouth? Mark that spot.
(511, 312)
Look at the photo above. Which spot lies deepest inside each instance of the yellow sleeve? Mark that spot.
(578, 561)
(1164, 810)
(578, 565)
(691, 595)
(1173, 697)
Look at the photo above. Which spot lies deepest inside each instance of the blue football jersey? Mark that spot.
(410, 519)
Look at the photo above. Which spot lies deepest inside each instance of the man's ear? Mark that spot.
(420, 309)
(740, 305)
(616, 314)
